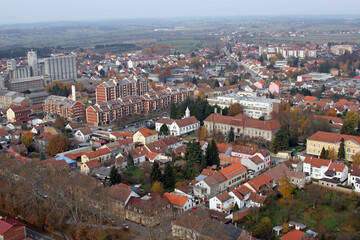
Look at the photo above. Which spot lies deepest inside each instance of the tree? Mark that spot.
(157, 187)
(164, 129)
(286, 189)
(27, 139)
(216, 84)
(231, 136)
(212, 154)
(236, 207)
(262, 118)
(235, 109)
(115, 176)
(167, 72)
(203, 133)
(332, 154)
(57, 143)
(169, 177)
(60, 123)
(281, 141)
(331, 112)
(42, 156)
(194, 80)
(341, 153)
(195, 160)
(324, 153)
(130, 160)
(351, 122)
(179, 184)
(356, 158)
(155, 174)
(263, 230)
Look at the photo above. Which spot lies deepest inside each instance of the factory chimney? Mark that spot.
(73, 93)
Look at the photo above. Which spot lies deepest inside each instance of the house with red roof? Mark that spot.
(354, 177)
(295, 235)
(316, 167)
(251, 157)
(17, 113)
(235, 174)
(87, 167)
(99, 155)
(11, 229)
(120, 195)
(275, 87)
(145, 136)
(337, 171)
(224, 149)
(180, 202)
(223, 202)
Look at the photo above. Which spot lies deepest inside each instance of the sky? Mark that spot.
(33, 11)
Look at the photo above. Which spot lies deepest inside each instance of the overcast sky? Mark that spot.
(29, 11)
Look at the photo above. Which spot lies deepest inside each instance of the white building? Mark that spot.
(61, 67)
(337, 171)
(354, 177)
(316, 167)
(254, 107)
(222, 202)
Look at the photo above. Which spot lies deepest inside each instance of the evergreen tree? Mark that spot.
(155, 174)
(194, 80)
(169, 178)
(212, 154)
(42, 156)
(281, 141)
(341, 153)
(164, 129)
(216, 84)
(231, 136)
(236, 207)
(114, 176)
(173, 111)
(195, 160)
(323, 153)
(130, 160)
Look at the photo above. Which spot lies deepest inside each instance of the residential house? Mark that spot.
(18, 114)
(295, 235)
(224, 149)
(87, 167)
(281, 172)
(337, 171)
(73, 126)
(254, 163)
(11, 229)
(120, 195)
(316, 167)
(18, 149)
(145, 136)
(235, 174)
(223, 202)
(274, 87)
(99, 155)
(210, 185)
(354, 177)
(83, 134)
(180, 202)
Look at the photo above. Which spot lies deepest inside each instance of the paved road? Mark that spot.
(36, 236)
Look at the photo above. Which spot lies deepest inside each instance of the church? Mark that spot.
(179, 127)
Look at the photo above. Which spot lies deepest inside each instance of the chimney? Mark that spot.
(73, 93)
(215, 110)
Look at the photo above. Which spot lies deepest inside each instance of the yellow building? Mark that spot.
(145, 136)
(327, 140)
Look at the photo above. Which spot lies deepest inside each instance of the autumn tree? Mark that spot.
(235, 109)
(60, 123)
(167, 72)
(286, 189)
(27, 139)
(351, 122)
(331, 112)
(57, 143)
(157, 187)
(263, 229)
(203, 133)
(180, 184)
(341, 153)
(332, 154)
(356, 158)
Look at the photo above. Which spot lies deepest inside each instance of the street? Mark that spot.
(35, 235)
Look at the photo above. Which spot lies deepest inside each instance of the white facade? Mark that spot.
(315, 172)
(61, 67)
(254, 107)
(217, 205)
(249, 164)
(33, 62)
(80, 136)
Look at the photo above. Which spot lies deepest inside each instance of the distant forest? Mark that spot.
(21, 52)
(123, 46)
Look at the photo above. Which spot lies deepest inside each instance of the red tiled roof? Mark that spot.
(147, 132)
(317, 162)
(93, 164)
(168, 121)
(228, 159)
(332, 137)
(310, 98)
(151, 155)
(293, 235)
(261, 180)
(222, 147)
(233, 170)
(270, 125)
(224, 196)
(97, 153)
(177, 200)
(186, 121)
(337, 167)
